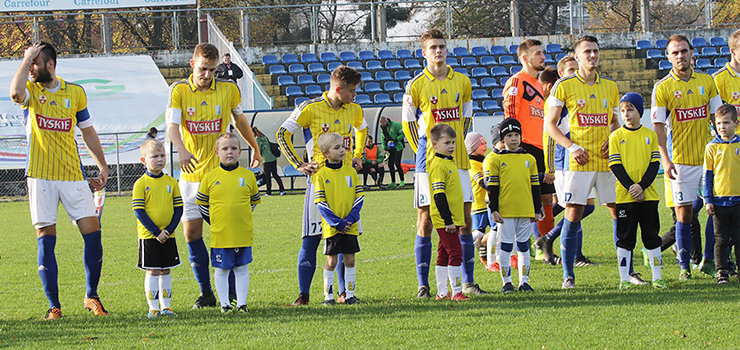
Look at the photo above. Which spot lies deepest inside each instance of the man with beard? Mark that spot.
(53, 107)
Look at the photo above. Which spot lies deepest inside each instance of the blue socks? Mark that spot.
(568, 241)
(557, 209)
(709, 237)
(468, 250)
(199, 263)
(423, 253)
(307, 263)
(536, 230)
(93, 259)
(340, 273)
(48, 270)
(683, 243)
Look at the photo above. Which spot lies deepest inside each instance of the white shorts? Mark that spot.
(559, 180)
(44, 197)
(312, 217)
(686, 185)
(188, 191)
(578, 184)
(515, 230)
(423, 195)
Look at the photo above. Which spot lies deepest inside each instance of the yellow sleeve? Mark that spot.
(438, 180)
(255, 197)
(560, 93)
(533, 175)
(491, 170)
(174, 101)
(709, 158)
(614, 156)
(409, 116)
(360, 137)
(203, 196)
(138, 195)
(319, 187)
(548, 148)
(411, 131)
(654, 152)
(176, 195)
(236, 97)
(82, 100)
(359, 192)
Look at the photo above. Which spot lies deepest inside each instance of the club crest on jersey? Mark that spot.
(433, 100)
(647, 140)
(325, 127)
(701, 90)
(526, 164)
(217, 109)
(190, 111)
(735, 95)
(530, 91)
(581, 103)
(677, 94)
(457, 97)
(241, 182)
(169, 189)
(605, 103)
(42, 99)
(349, 180)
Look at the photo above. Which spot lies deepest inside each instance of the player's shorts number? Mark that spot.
(568, 196)
(679, 196)
(315, 227)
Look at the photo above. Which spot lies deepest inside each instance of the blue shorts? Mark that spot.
(227, 258)
(481, 221)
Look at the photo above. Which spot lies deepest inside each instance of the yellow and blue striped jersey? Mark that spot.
(50, 121)
(635, 150)
(317, 116)
(591, 109)
(479, 193)
(158, 197)
(230, 196)
(684, 107)
(515, 173)
(429, 101)
(721, 166)
(445, 178)
(728, 87)
(202, 117)
(340, 190)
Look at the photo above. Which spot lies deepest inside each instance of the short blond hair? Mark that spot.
(734, 41)
(150, 144)
(326, 141)
(206, 50)
(226, 136)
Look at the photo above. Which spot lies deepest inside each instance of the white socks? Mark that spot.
(151, 289)
(328, 285)
(242, 284)
(165, 291)
(656, 261)
(349, 281)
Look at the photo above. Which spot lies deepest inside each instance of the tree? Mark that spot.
(393, 15)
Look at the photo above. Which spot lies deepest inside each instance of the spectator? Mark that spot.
(270, 161)
(392, 137)
(372, 163)
(228, 70)
(152, 134)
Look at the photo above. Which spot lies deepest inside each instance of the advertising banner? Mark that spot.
(73, 5)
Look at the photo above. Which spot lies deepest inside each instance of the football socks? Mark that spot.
(48, 270)
(623, 258)
(165, 291)
(468, 264)
(504, 260)
(568, 245)
(349, 281)
(548, 222)
(442, 275)
(524, 261)
(221, 278)
(93, 259)
(307, 263)
(656, 262)
(151, 288)
(683, 243)
(341, 270)
(242, 284)
(709, 237)
(328, 285)
(454, 274)
(423, 253)
(199, 263)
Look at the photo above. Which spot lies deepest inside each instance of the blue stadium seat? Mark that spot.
(328, 57)
(479, 72)
(699, 42)
(323, 78)
(385, 55)
(382, 99)
(393, 64)
(356, 65)
(347, 56)
(560, 56)
(661, 43)
(289, 58)
(309, 58)
(709, 51)
(468, 61)
(367, 76)
(363, 99)
(720, 62)
(506, 59)
(316, 68)
(417, 71)
(553, 48)
(373, 65)
(285, 80)
(474, 83)
(644, 45)
(490, 105)
(278, 69)
(293, 91)
(497, 93)
(476, 105)
(664, 64)
(548, 58)
(487, 61)
(703, 63)
(478, 51)
(514, 69)
(358, 90)
(696, 52)
(460, 51)
(724, 51)
(373, 87)
(418, 53)
(269, 59)
(452, 62)
(305, 79)
(654, 53)
(300, 100)
(513, 48)
(404, 54)
(717, 41)
(499, 114)
(383, 75)
(711, 71)
(498, 50)
(314, 90)
(392, 86)
(503, 81)
(331, 66)
(488, 83)
(463, 71)
(402, 75)
(499, 71)
(366, 55)
(398, 97)
(411, 63)
(480, 114)
(296, 68)
(479, 94)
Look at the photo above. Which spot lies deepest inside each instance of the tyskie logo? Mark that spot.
(446, 115)
(204, 127)
(687, 114)
(593, 119)
(54, 124)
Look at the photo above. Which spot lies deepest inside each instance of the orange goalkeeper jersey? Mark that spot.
(524, 102)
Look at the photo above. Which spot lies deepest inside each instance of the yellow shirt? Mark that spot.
(590, 112)
(728, 87)
(515, 174)
(684, 108)
(158, 197)
(317, 116)
(202, 117)
(51, 118)
(722, 159)
(340, 189)
(635, 150)
(429, 101)
(445, 178)
(479, 193)
(230, 196)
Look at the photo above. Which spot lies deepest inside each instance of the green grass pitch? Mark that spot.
(696, 314)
